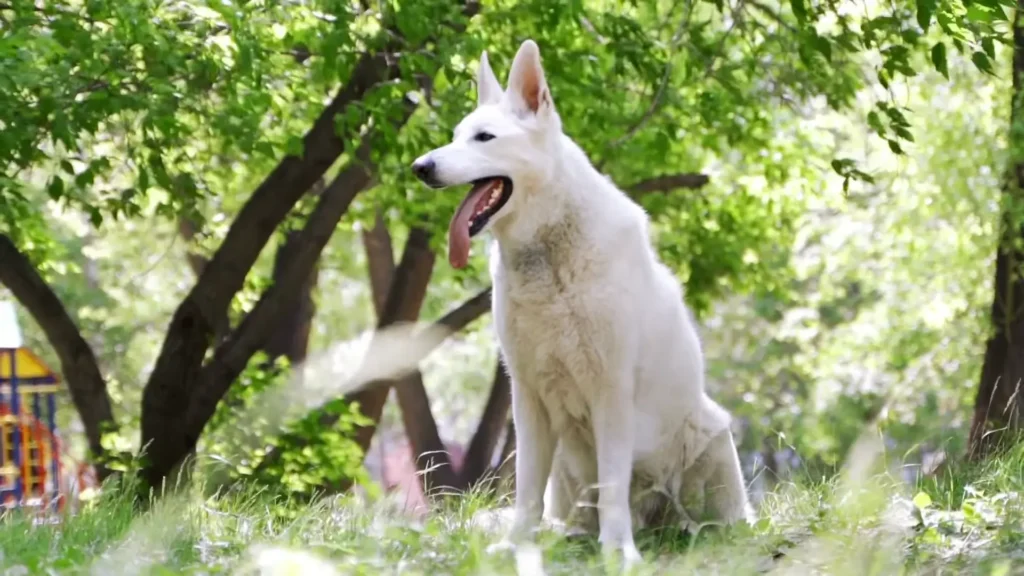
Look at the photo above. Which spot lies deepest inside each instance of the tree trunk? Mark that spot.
(290, 339)
(380, 261)
(172, 435)
(477, 463)
(432, 459)
(77, 361)
(405, 298)
(997, 404)
(188, 229)
(430, 452)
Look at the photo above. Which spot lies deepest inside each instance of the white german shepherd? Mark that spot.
(606, 367)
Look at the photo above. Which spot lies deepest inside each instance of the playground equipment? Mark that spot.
(30, 449)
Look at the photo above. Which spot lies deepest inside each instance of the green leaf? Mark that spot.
(875, 122)
(95, 216)
(989, 47)
(799, 10)
(939, 59)
(978, 13)
(884, 77)
(970, 513)
(294, 146)
(982, 62)
(925, 10)
(56, 188)
(895, 147)
(903, 133)
(823, 46)
(922, 500)
(896, 117)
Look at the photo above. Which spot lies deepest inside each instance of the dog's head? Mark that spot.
(505, 148)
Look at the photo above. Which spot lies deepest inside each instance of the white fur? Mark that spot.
(606, 365)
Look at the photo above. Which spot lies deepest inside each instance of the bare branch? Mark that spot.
(666, 75)
(668, 182)
(477, 462)
(772, 14)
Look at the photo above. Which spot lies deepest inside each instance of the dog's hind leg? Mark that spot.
(572, 492)
(725, 492)
(612, 414)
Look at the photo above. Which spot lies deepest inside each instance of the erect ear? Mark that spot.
(526, 84)
(488, 89)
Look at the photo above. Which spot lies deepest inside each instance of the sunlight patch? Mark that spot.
(276, 561)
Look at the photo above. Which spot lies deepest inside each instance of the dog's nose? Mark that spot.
(423, 168)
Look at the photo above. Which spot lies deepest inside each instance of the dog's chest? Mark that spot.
(552, 329)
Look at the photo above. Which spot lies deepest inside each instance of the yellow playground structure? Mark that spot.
(30, 463)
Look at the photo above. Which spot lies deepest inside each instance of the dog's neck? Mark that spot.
(552, 206)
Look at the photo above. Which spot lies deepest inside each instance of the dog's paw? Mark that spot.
(631, 556)
(624, 555)
(502, 546)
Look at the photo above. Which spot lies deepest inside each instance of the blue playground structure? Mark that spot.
(30, 467)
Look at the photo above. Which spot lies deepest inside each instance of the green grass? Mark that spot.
(966, 521)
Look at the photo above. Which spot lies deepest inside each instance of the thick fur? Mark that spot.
(607, 369)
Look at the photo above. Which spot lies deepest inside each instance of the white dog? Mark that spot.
(607, 370)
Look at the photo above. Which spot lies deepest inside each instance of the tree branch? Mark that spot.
(380, 259)
(78, 363)
(405, 296)
(477, 461)
(666, 75)
(772, 14)
(668, 182)
(290, 338)
(406, 292)
(231, 357)
(425, 342)
(187, 229)
(429, 452)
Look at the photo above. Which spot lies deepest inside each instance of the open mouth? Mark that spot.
(484, 200)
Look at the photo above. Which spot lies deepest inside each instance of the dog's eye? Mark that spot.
(483, 136)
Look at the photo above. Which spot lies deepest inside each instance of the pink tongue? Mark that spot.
(458, 230)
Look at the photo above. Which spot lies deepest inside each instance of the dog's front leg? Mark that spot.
(613, 415)
(535, 447)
